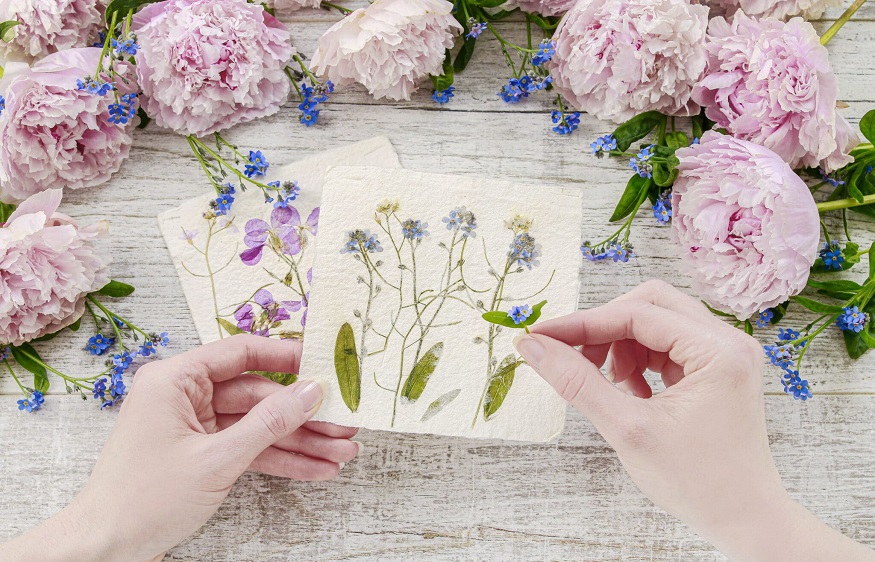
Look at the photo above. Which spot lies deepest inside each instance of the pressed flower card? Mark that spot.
(418, 284)
(244, 261)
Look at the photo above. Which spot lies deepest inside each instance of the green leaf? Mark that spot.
(663, 176)
(74, 327)
(144, 118)
(844, 285)
(284, 379)
(718, 312)
(872, 261)
(503, 318)
(486, 3)
(867, 338)
(677, 140)
(748, 328)
(637, 128)
(779, 311)
(346, 364)
(499, 385)
(464, 55)
(435, 407)
(699, 125)
(116, 289)
(422, 371)
(851, 259)
(26, 356)
(854, 344)
(230, 327)
(867, 125)
(123, 7)
(632, 198)
(7, 30)
(536, 313)
(815, 306)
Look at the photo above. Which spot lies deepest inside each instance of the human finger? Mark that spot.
(223, 360)
(277, 462)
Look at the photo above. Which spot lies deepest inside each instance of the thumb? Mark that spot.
(276, 416)
(573, 376)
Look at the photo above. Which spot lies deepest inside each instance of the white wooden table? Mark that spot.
(416, 497)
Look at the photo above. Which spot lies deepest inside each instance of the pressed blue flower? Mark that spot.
(289, 193)
(798, 387)
(546, 50)
(32, 403)
(358, 240)
(414, 229)
(257, 165)
(641, 163)
(443, 96)
(520, 314)
(832, 255)
(788, 335)
(852, 320)
(765, 318)
(126, 47)
(222, 203)
(602, 145)
(463, 220)
(99, 390)
(524, 251)
(476, 29)
(566, 123)
(147, 349)
(662, 208)
(95, 86)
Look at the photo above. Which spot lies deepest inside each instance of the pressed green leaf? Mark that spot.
(632, 198)
(116, 289)
(346, 364)
(23, 355)
(230, 327)
(422, 371)
(867, 125)
(284, 379)
(123, 7)
(637, 128)
(435, 407)
(815, 306)
(499, 385)
(7, 30)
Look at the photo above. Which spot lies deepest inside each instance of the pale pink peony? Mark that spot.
(543, 7)
(389, 47)
(771, 83)
(49, 26)
(781, 9)
(53, 135)
(618, 58)
(206, 65)
(289, 6)
(746, 225)
(47, 267)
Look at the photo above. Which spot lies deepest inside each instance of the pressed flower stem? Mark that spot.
(839, 204)
(843, 19)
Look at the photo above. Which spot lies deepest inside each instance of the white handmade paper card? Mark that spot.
(249, 270)
(406, 265)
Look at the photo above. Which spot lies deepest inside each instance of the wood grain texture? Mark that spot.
(429, 497)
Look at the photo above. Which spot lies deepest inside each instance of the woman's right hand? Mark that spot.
(699, 449)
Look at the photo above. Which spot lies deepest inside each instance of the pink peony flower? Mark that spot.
(771, 83)
(49, 26)
(617, 58)
(206, 65)
(543, 7)
(747, 227)
(53, 135)
(388, 47)
(781, 9)
(289, 6)
(47, 267)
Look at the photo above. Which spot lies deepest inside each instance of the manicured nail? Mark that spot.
(309, 393)
(361, 448)
(530, 348)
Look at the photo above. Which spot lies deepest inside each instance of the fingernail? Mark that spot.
(343, 464)
(531, 349)
(361, 447)
(309, 393)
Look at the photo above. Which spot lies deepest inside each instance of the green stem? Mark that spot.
(843, 19)
(15, 378)
(211, 276)
(838, 204)
(112, 315)
(106, 44)
(341, 9)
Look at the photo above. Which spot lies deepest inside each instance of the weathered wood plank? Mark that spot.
(415, 496)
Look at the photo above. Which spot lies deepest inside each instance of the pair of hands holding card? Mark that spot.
(193, 424)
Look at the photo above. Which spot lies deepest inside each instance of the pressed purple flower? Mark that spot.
(283, 231)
